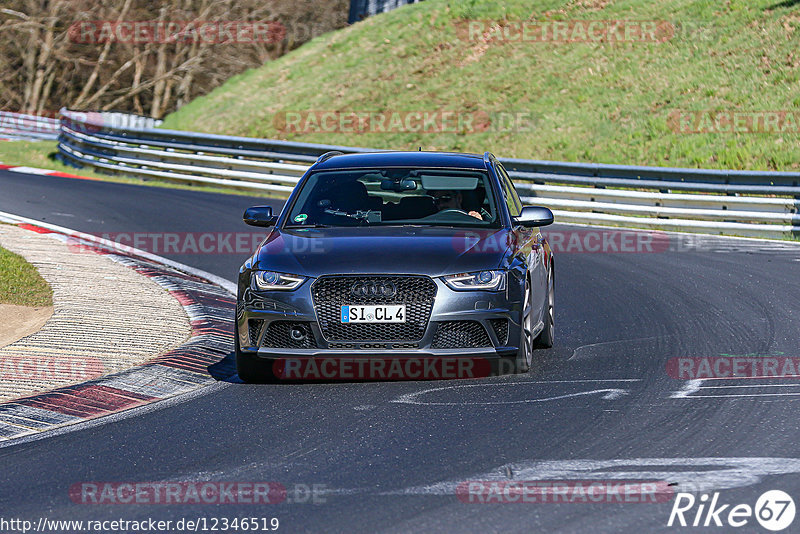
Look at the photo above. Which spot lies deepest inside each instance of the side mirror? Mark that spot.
(533, 216)
(259, 216)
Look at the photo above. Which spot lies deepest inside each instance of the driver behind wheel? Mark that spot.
(452, 200)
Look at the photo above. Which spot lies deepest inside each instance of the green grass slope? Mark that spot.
(20, 282)
(607, 102)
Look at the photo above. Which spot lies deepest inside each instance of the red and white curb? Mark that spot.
(43, 172)
(208, 301)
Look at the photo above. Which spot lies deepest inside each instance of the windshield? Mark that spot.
(374, 197)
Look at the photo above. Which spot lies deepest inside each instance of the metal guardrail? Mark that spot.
(750, 203)
(24, 126)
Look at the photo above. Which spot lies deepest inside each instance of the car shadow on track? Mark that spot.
(225, 370)
(546, 362)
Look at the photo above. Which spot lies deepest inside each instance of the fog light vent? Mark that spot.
(254, 326)
(460, 335)
(500, 327)
(289, 335)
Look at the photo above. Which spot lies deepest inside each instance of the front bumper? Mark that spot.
(461, 324)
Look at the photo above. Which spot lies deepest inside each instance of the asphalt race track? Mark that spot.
(386, 456)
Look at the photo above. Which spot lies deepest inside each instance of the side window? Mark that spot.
(509, 192)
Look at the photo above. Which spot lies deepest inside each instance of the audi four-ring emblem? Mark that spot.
(374, 289)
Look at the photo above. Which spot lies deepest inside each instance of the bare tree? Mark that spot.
(48, 58)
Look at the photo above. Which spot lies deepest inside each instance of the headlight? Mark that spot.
(494, 280)
(270, 281)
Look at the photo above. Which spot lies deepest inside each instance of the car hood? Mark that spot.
(433, 251)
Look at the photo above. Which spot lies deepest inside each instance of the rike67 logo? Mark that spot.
(774, 510)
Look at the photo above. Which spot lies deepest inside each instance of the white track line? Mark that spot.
(608, 393)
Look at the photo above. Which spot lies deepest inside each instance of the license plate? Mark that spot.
(374, 314)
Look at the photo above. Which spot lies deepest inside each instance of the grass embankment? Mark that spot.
(20, 282)
(608, 102)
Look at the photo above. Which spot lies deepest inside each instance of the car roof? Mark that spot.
(402, 159)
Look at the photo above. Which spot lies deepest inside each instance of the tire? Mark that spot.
(522, 363)
(546, 338)
(251, 369)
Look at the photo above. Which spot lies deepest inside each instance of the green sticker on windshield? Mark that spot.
(301, 218)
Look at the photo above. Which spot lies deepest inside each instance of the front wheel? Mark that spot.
(522, 362)
(546, 337)
(251, 369)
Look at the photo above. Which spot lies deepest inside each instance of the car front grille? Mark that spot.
(373, 346)
(460, 335)
(330, 293)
